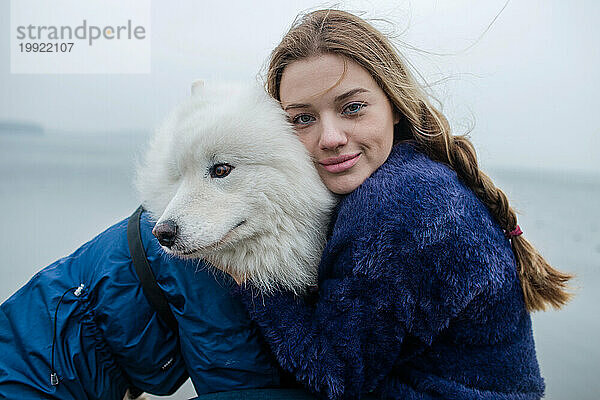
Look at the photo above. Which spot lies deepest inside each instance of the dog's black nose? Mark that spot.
(165, 232)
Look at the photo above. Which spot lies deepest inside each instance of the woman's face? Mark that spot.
(347, 125)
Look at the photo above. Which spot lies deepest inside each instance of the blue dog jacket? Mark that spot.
(82, 328)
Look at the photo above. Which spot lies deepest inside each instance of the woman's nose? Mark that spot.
(332, 134)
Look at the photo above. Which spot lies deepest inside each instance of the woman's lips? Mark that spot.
(340, 164)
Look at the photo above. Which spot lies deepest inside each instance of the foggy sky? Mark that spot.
(527, 87)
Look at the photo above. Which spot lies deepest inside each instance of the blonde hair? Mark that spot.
(338, 32)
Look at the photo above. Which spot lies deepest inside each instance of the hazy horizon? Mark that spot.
(527, 86)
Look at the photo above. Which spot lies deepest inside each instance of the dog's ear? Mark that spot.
(197, 86)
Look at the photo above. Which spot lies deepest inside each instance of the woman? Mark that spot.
(426, 283)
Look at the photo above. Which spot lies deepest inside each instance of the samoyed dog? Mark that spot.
(228, 181)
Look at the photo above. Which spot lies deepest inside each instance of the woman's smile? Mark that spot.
(340, 164)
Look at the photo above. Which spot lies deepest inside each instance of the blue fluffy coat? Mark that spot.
(419, 296)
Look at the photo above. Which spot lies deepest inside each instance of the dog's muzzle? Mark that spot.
(166, 232)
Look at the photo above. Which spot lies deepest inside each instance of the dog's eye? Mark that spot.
(220, 170)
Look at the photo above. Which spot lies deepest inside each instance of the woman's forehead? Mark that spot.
(323, 77)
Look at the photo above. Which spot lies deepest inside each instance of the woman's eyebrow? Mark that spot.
(337, 99)
(295, 105)
(348, 94)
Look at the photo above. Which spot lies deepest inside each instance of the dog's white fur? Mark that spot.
(273, 189)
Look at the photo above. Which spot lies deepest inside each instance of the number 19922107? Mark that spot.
(46, 47)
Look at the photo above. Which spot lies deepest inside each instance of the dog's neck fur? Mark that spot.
(286, 261)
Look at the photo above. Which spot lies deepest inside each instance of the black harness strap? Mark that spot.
(152, 291)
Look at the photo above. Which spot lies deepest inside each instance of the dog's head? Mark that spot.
(228, 181)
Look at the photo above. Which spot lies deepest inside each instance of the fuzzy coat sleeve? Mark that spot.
(409, 251)
(342, 346)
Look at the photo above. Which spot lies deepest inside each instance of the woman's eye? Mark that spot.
(303, 119)
(353, 108)
(220, 170)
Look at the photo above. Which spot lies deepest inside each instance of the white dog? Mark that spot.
(228, 181)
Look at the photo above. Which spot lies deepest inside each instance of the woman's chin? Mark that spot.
(343, 184)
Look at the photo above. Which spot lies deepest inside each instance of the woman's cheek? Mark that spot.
(308, 140)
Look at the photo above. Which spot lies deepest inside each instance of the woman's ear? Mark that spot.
(402, 128)
(396, 116)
